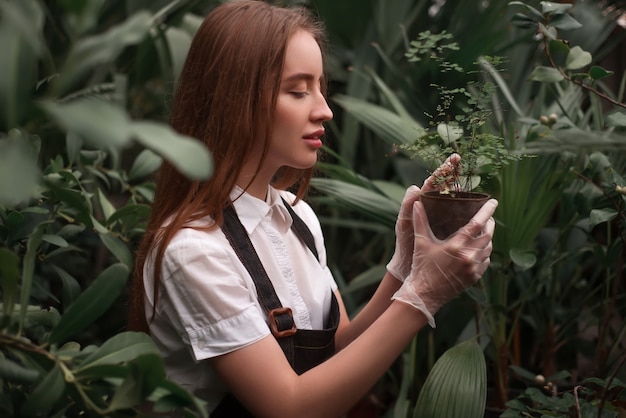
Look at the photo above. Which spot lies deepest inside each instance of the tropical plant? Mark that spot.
(459, 123)
(558, 244)
(77, 150)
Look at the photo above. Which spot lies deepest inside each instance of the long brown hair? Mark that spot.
(225, 97)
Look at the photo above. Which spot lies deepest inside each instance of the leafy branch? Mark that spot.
(547, 22)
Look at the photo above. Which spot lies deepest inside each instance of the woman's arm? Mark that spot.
(262, 379)
(380, 301)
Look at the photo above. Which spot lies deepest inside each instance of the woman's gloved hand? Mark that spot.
(400, 264)
(441, 270)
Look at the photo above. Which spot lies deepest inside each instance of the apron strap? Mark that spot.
(280, 318)
(302, 231)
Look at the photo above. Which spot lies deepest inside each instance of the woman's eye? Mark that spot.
(298, 94)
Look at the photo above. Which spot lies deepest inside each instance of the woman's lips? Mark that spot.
(314, 142)
(314, 139)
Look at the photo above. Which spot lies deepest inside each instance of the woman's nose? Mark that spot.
(322, 110)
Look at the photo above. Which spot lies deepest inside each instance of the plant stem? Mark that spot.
(579, 83)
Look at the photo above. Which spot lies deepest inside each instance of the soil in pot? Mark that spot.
(449, 212)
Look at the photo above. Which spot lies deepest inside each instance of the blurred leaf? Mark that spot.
(456, 386)
(17, 373)
(565, 22)
(92, 303)
(100, 372)
(616, 119)
(546, 75)
(147, 372)
(368, 278)
(371, 204)
(55, 240)
(95, 120)
(118, 248)
(9, 277)
(388, 125)
(598, 73)
(28, 269)
(19, 173)
(523, 258)
(523, 21)
(523, 373)
(47, 317)
(599, 216)
(71, 288)
(536, 14)
(170, 395)
(131, 214)
(45, 395)
(107, 207)
(449, 133)
(26, 19)
(178, 42)
(17, 64)
(190, 156)
(121, 348)
(577, 58)
(548, 7)
(94, 51)
(146, 163)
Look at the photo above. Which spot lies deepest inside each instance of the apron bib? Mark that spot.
(303, 348)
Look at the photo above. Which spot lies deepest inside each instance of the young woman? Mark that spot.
(231, 278)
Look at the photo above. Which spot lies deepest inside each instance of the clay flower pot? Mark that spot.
(447, 213)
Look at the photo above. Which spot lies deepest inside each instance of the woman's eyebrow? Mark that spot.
(299, 76)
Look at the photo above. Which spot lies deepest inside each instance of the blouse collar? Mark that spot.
(251, 210)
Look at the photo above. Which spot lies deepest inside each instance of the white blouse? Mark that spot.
(208, 303)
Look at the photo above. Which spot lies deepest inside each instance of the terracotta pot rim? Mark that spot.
(460, 195)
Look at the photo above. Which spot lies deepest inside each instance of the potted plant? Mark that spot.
(459, 125)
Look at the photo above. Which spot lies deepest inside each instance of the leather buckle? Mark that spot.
(274, 323)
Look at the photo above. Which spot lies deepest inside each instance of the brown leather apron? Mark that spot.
(303, 348)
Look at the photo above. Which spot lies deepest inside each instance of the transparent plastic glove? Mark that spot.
(451, 165)
(441, 270)
(400, 264)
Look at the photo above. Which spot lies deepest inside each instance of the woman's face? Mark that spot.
(300, 108)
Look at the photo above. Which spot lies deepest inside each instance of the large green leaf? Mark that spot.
(375, 205)
(101, 123)
(190, 156)
(389, 126)
(457, 384)
(119, 349)
(92, 303)
(45, 395)
(97, 50)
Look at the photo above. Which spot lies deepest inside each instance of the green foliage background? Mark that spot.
(84, 90)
